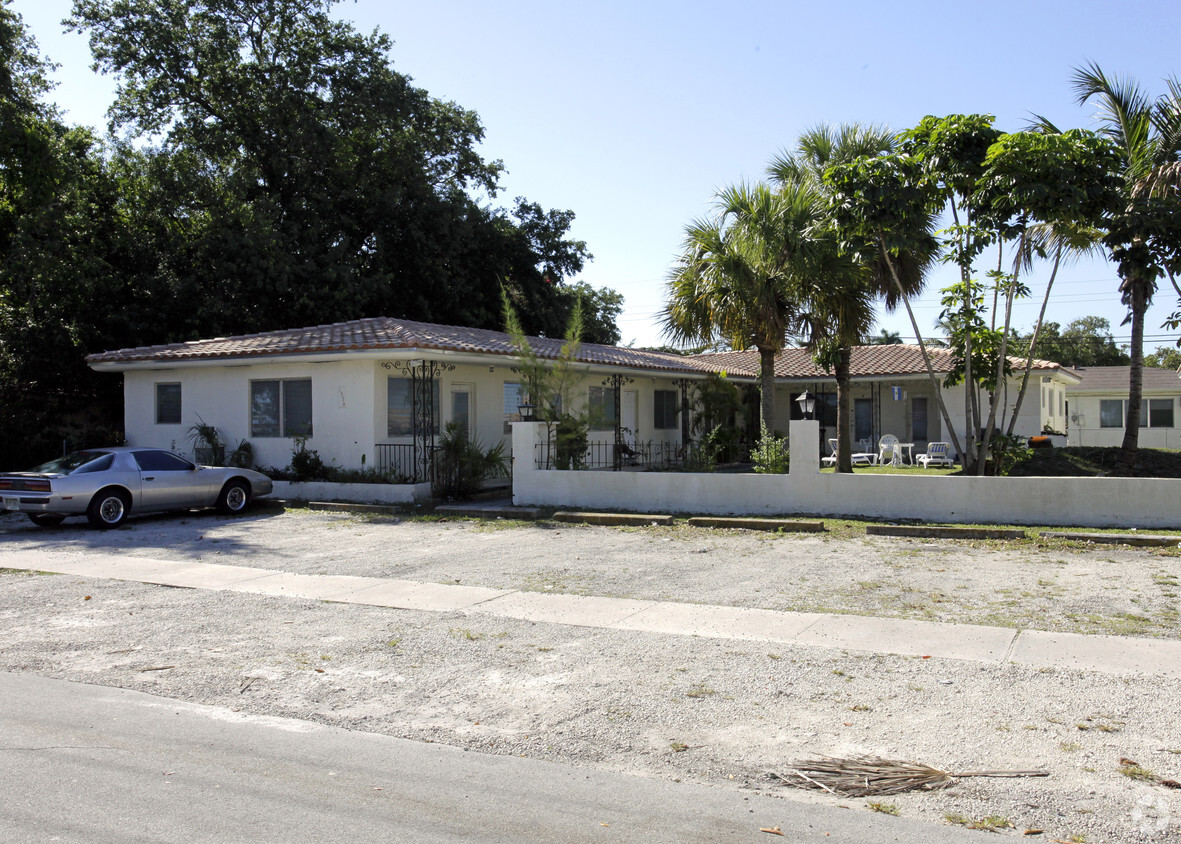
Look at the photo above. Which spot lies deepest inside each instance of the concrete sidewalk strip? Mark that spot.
(1109, 654)
(910, 638)
(575, 610)
(413, 595)
(998, 645)
(720, 622)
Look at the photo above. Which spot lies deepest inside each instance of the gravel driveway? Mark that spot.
(688, 708)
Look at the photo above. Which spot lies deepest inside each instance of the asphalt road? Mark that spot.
(96, 764)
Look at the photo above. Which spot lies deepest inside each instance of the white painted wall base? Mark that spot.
(359, 493)
(1090, 502)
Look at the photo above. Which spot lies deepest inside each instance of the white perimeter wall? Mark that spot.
(1097, 502)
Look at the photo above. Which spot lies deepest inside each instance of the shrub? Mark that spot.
(462, 464)
(770, 455)
(306, 464)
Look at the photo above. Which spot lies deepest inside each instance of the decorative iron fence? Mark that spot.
(651, 456)
(407, 462)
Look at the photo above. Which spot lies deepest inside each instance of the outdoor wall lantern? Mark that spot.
(527, 412)
(807, 403)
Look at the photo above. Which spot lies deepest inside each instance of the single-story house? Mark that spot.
(1098, 407)
(376, 392)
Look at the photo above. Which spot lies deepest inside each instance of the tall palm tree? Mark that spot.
(734, 279)
(842, 300)
(1147, 134)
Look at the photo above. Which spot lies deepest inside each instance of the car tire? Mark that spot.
(108, 509)
(46, 519)
(234, 497)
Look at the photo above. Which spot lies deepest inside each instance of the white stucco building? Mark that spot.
(375, 392)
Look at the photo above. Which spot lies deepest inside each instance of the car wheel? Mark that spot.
(46, 519)
(234, 498)
(108, 509)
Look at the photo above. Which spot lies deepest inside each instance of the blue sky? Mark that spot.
(632, 114)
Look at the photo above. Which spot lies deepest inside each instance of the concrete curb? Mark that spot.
(757, 524)
(1145, 539)
(933, 532)
(614, 519)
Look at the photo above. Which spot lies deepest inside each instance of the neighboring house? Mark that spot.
(1098, 407)
(377, 392)
(892, 393)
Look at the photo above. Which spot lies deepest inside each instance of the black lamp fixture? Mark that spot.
(527, 412)
(807, 403)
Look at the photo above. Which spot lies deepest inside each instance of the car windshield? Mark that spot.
(79, 461)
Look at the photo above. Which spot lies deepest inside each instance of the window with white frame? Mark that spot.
(514, 397)
(281, 408)
(168, 404)
(400, 406)
(1154, 413)
(664, 409)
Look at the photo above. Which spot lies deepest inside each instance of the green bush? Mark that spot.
(770, 455)
(462, 464)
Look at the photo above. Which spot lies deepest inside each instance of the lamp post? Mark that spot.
(807, 403)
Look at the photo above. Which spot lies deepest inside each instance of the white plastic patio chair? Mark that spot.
(938, 454)
(857, 459)
(831, 459)
(888, 451)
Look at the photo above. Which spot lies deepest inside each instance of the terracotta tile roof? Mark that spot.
(379, 333)
(1115, 379)
(383, 333)
(866, 362)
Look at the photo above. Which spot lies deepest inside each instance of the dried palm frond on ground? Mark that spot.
(864, 776)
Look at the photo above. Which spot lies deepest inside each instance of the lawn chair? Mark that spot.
(888, 451)
(938, 454)
(831, 460)
(861, 458)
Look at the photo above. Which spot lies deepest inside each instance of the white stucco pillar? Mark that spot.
(803, 438)
(526, 436)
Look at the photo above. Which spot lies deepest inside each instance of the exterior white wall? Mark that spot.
(349, 405)
(342, 402)
(1085, 409)
(361, 493)
(1098, 502)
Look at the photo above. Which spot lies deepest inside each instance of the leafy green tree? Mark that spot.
(737, 275)
(1164, 357)
(600, 309)
(1086, 341)
(1143, 233)
(309, 181)
(839, 295)
(883, 204)
(884, 337)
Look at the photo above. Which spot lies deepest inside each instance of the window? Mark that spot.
(664, 409)
(1160, 413)
(513, 397)
(160, 461)
(1154, 413)
(602, 408)
(400, 406)
(862, 419)
(168, 404)
(918, 420)
(281, 408)
(1111, 413)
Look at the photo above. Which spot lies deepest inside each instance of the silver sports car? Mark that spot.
(106, 484)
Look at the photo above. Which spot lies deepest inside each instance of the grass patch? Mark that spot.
(989, 823)
(884, 808)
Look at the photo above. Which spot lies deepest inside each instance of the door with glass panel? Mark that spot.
(463, 407)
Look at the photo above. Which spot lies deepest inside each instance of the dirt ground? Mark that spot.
(723, 712)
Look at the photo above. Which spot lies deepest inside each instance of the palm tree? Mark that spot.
(734, 280)
(1148, 137)
(884, 337)
(842, 299)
